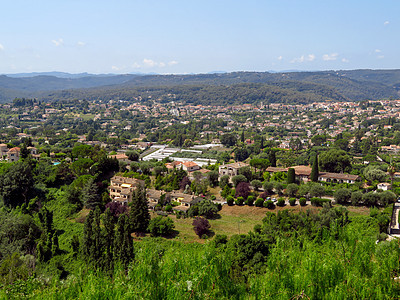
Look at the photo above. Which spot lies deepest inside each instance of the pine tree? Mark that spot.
(242, 137)
(139, 215)
(90, 194)
(315, 170)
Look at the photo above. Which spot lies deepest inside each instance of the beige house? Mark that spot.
(231, 169)
(190, 166)
(121, 188)
(303, 173)
(13, 154)
(338, 177)
(3, 151)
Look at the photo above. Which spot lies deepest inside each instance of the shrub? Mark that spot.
(292, 201)
(259, 202)
(342, 195)
(213, 197)
(303, 201)
(269, 204)
(281, 202)
(239, 201)
(257, 228)
(220, 239)
(161, 226)
(201, 226)
(168, 208)
(230, 200)
(315, 201)
(250, 200)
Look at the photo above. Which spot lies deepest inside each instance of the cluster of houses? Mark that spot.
(303, 173)
(121, 190)
(14, 154)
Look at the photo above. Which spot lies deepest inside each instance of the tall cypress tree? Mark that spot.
(123, 243)
(291, 176)
(96, 245)
(315, 170)
(109, 227)
(139, 215)
(87, 236)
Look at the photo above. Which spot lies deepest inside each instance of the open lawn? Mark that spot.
(232, 220)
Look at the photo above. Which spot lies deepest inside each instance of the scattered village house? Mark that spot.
(303, 173)
(231, 169)
(13, 154)
(121, 188)
(384, 186)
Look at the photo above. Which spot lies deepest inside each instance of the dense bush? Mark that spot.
(239, 201)
(161, 226)
(269, 204)
(303, 201)
(292, 201)
(281, 202)
(250, 200)
(259, 202)
(315, 201)
(230, 200)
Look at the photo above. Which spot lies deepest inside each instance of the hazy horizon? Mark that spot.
(174, 37)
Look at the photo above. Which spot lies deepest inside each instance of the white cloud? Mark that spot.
(149, 62)
(115, 68)
(386, 23)
(172, 63)
(309, 57)
(58, 42)
(345, 60)
(381, 56)
(280, 57)
(378, 50)
(1, 47)
(81, 44)
(136, 65)
(332, 56)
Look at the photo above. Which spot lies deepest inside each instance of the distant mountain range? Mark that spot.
(352, 85)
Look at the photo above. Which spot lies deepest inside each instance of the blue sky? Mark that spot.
(126, 36)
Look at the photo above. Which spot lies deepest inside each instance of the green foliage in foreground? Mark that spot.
(324, 255)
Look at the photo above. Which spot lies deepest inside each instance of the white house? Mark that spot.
(384, 186)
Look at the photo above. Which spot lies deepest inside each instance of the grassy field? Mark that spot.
(232, 220)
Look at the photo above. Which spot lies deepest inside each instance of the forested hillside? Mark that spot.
(221, 88)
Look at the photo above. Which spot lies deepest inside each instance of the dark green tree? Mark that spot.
(87, 240)
(161, 226)
(315, 170)
(90, 194)
(123, 242)
(16, 184)
(139, 214)
(335, 160)
(291, 176)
